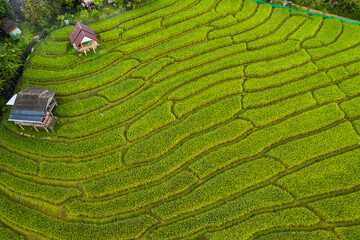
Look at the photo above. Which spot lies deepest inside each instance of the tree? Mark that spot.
(36, 10)
(5, 9)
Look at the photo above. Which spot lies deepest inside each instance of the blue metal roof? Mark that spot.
(26, 116)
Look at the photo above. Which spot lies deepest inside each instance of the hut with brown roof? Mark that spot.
(33, 107)
(83, 38)
(9, 26)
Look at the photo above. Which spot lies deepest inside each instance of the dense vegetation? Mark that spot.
(201, 119)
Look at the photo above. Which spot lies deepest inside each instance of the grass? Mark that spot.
(194, 119)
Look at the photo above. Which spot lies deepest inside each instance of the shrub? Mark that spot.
(95, 13)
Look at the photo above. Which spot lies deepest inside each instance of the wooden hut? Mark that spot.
(83, 38)
(9, 26)
(33, 107)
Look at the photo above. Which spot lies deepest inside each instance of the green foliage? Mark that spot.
(122, 89)
(41, 223)
(248, 8)
(328, 94)
(194, 36)
(222, 185)
(228, 7)
(353, 68)
(279, 78)
(80, 170)
(351, 107)
(277, 17)
(328, 33)
(146, 173)
(190, 13)
(95, 13)
(351, 232)
(203, 82)
(266, 137)
(264, 197)
(224, 22)
(111, 35)
(152, 68)
(160, 143)
(350, 86)
(201, 48)
(331, 174)
(207, 96)
(133, 200)
(340, 208)
(167, 33)
(308, 29)
(61, 34)
(262, 13)
(300, 235)
(53, 194)
(116, 20)
(289, 26)
(273, 66)
(81, 148)
(142, 29)
(300, 150)
(337, 73)
(350, 37)
(255, 99)
(80, 107)
(79, 70)
(151, 121)
(84, 15)
(9, 234)
(5, 9)
(274, 112)
(54, 48)
(290, 217)
(18, 162)
(57, 62)
(199, 60)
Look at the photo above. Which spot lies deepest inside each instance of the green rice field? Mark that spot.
(194, 119)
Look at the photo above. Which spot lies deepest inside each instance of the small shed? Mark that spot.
(33, 107)
(9, 26)
(83, 38)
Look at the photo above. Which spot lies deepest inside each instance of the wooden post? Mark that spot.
(36, 129)
(46, 129)
(21, 126)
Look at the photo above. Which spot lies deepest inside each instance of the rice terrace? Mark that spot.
(192, 119)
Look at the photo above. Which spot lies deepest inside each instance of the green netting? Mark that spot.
(309, 13)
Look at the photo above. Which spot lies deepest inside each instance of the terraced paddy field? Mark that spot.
(196, 119)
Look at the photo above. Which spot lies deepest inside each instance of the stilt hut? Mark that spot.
(33, 107)
(83, 38)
